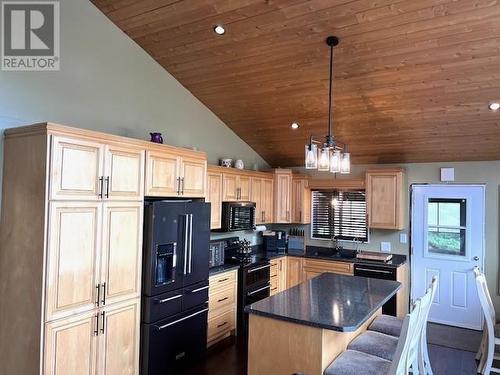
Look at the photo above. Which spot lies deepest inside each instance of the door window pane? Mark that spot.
(446, 226)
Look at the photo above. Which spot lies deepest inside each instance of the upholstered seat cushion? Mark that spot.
(375, 343)
(390, 325)
(352, 362)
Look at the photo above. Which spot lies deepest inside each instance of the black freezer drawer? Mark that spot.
(167, 304)
(169, 344)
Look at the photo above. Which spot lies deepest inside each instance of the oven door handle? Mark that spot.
(168, 299)
(373, 270)
(258, 290)
(259, 268)
(198, 289)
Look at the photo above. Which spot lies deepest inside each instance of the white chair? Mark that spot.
(491, 331)
(390, 325)
(352, 362)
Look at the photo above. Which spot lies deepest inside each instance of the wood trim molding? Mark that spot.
(341, 184)
(246, 172)
(52, 128)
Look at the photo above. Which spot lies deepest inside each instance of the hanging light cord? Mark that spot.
(330, 97)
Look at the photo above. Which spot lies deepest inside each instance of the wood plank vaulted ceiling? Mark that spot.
(413, 78)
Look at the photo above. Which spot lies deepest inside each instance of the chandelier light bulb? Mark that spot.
(345, 164)
(335, 162)
(311, 156)
(324, 160)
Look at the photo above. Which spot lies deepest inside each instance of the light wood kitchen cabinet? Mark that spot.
(267, 199)
(256, 189)
(235, 187)
(385, 198)
(78, 259)
(278, 274)
(315, 267)
(173, 172)
(71, 345)
(118, 340)
(82, 169)
(294, 271)
(104, 343)
(282, 195)
(301, 200)
(121, 256)
(214, 196)
(222, 297)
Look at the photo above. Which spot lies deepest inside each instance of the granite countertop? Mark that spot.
(223, 268)
(329, 301)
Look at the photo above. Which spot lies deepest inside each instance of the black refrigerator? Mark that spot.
(175, 285)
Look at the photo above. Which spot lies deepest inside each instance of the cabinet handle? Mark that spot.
(101, 186)
(178, 185)
(221, 325)
(103, 314)
(107, 187)
(182, 185)
(300, 216)
(103, 293)
(222, 299)
(96, 330)
(222, 280)
(98, 287)
(263, 216)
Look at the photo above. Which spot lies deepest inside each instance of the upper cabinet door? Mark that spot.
(283, 198)
(119, 339)
(71, 346)
(256, 196)
(124, 173)
(268, 199)
(214, 196)
(193, 177)
(73, 258)
(162, 174)
(76, 169)
(384, 198)
(244, 188)
(301, 201)
(230, 190)
(121, 251)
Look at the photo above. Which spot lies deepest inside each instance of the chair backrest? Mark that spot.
(485, 299)
(407, 348)
(414, 325)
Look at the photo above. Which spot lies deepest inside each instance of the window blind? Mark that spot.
(339, 214)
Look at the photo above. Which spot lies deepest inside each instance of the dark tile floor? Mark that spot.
(227, 359)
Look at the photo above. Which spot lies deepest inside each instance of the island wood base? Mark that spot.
(282, 348)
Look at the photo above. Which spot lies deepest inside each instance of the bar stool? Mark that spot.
(491, 331)
(352, 362)
(390, 325)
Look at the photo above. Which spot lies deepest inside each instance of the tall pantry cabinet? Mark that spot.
(70, 262)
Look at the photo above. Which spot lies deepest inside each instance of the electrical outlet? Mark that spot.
(385, 247)
(403, 238)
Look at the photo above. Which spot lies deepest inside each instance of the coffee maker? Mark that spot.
(275, 241)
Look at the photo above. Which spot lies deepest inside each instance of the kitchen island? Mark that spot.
(304, 328)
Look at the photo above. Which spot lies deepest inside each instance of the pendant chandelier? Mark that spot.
(332, 156)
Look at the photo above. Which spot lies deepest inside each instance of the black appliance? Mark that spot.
(175, 285)
(216, 253)
(379, 272)
(238, 216)
(276, 241)
(253, 279)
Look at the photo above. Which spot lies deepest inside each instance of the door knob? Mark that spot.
(476, 258)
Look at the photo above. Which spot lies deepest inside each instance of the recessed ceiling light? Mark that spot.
(494, 106)
(295, 125)
(219, 30)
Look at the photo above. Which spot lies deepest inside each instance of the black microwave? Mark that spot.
(238, 216)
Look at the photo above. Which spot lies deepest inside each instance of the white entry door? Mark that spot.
(447, 238)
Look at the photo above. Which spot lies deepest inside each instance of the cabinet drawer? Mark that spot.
(274, 269)
(220, 325)
(221, 301)
(321, 266)
(222, 281)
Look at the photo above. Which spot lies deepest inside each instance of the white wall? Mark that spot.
(108, 83)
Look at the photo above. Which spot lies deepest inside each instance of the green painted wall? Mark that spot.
(108, 83)
(486, 172)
